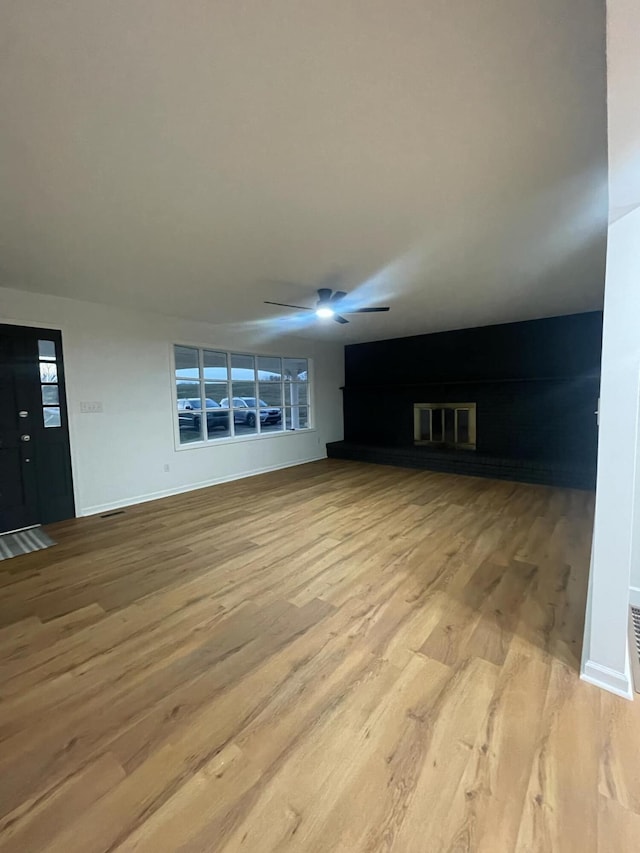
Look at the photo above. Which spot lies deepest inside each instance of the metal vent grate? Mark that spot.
(634, 644)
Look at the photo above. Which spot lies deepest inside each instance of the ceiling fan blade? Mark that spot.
(286, 305)
(338, 319)
(368, 310)
(337, 296)
(324, 294)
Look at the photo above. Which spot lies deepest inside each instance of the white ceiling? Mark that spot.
(445, 157)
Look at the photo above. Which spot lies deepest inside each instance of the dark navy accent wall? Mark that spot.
(535, 383)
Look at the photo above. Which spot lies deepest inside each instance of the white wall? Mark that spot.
(615, 561)
(624, 190)
(122, 358)
(623, 85)
(625, 269)
(616, 532)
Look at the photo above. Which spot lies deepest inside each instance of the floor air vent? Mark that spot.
(634, 645)
(111, 514)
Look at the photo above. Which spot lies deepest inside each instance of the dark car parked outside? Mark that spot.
(190, 414)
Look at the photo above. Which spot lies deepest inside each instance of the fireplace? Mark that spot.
(445, 425)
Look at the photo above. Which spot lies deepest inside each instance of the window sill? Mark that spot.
(242, 439)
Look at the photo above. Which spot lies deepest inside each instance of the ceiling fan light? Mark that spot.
(325, 312)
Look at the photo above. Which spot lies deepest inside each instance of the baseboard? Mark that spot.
(595, 673)
(180, 490)
(608, 679)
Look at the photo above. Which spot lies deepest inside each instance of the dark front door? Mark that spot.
(35, 459)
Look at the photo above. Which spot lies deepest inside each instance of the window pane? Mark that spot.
(295, 369)
(271, 418)
(270, 393)
(187, 363)
(244, 390)
(215, 366)
(219, 392)
(243, 375)
(218, 420)
(242, 367)
(296, 394)
(48, 372)
(189, 411)
(188, 391)
(297, 417)
(425, 425)
(436, 425)
(51, 416)
(47, 350)
(269, 369)
(50, 395)
(245, 421)
(463, 426)
(190, 430)
(449, 426)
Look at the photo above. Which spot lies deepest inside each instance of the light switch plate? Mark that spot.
(92, 408)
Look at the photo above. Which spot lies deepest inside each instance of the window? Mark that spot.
(220, 394)
(49, 388)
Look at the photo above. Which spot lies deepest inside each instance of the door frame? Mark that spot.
(39, 327)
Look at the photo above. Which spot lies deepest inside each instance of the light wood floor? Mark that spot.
(336, 657)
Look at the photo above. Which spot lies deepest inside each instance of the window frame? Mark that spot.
(48, 383)
(232, 438)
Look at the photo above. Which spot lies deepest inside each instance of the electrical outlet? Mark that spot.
(166, 468)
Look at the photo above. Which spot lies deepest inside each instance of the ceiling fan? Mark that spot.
(328, 306)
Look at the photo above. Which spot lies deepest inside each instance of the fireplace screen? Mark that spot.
(445, 424)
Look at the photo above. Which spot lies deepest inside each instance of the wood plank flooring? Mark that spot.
(335, 657)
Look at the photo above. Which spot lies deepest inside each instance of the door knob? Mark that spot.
(23, 414)
(25, 438)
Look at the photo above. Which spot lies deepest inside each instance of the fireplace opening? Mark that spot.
(445, 425)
